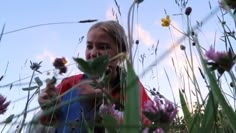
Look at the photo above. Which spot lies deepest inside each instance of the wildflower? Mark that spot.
(222, 61)
(230, 3)
(161, 112)
(106, 109)
(3, 104)
(166, 21)
(158, 130)
(35, 66)
(188, 11)
(59, 63)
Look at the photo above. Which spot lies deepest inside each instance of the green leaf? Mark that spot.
(195, 126)
(93, 68)
(153, 116)
(209, 113)
(38, 81)
(83, 65)
(29, 88)
(99, 65)
(187, 115)
(9, 119)
(110, 123)
(132, 102)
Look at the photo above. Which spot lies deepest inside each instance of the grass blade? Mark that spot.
(132, 102)
(187, 115)
(209, 113)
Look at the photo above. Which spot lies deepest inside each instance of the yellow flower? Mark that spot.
(64, 61)
(166, 21)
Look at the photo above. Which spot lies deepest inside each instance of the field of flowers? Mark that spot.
(192, 111)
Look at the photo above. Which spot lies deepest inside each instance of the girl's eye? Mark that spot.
(104, 47)
(89, 47)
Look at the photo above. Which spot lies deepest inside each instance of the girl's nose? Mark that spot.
(94, 53)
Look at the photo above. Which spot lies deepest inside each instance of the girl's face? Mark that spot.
(100, 43)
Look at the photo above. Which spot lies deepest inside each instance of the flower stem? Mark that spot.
(26, 105)
(234, 86)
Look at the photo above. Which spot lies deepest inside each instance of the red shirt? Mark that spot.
(69, 82)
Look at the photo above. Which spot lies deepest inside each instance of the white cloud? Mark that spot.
(46, 55)
(110, 14)
(144, 36)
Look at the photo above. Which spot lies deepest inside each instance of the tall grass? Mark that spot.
(198, 112)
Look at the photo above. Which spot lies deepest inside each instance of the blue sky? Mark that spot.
(48, 42)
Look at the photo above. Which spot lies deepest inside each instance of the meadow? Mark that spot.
(201, 81)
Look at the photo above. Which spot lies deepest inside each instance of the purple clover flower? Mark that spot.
(220, 60)
(161, 112)
(3, 104)
(214, 55)
(110, 109)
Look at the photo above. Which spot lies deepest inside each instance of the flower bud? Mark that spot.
(188, 10)
(231, 84)
(182, 47)
(137, 42)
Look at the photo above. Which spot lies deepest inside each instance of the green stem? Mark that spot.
(4, 127)
(234, 86)
(26, 105)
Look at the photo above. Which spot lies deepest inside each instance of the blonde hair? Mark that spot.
(115, 30)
